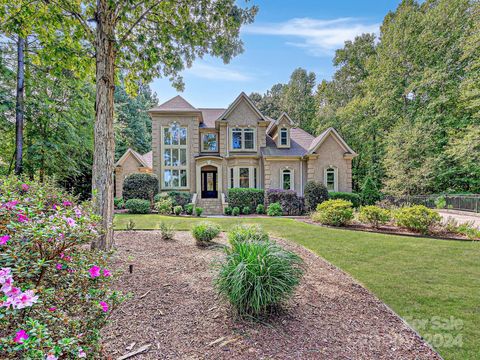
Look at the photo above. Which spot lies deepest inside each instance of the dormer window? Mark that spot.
(283, 137)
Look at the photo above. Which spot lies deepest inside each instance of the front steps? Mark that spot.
(210, 206)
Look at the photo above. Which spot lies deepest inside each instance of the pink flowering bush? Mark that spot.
(54, 291)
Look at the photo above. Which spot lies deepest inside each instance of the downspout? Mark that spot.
(301, 176)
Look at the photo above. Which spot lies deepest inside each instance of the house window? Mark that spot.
(174, 157)
(243, 177)
(283, 137)
(209, 142)
(287, 179)
(243, 139)
(331, 179)
(232, 184)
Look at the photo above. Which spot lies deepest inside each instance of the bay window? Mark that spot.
(174, 157)
(243, 139)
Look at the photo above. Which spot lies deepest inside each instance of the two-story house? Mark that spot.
(205, 151)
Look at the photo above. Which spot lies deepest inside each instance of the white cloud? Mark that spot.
(318, 37)
(215, 72)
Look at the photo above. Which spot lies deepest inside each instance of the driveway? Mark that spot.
(461, 216)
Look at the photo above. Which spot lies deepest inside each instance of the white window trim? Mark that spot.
(287, 145)
(292, 178)
(163, 147)
(236, 177)
(243, 128)
(201, 140)
(335, 173)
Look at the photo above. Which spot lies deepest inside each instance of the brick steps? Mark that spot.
(210, 206)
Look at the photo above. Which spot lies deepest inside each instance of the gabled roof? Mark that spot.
(233, 105)
(274, 123)
(323, 136)
(144, 160)
(176, 103)
(300, 141)
(210, 115)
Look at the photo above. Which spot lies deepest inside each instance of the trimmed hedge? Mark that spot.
(140, 186)
(355, 199)
(291, 203)
(138, 206)
(242, 197)
(315, 193)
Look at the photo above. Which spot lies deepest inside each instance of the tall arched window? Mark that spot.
(331, 181)
(287, 179)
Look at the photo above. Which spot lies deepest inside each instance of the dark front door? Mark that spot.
(209, 184)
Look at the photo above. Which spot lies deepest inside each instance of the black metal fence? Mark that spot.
(455, 202)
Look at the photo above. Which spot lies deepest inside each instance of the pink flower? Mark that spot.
(25, 187)
(104, 306)
(67, 203)
(20, 336)
(54, 207)
(4, 239)
(11, 204)
(106, 273)
(78, 212)
(22, 218)
(5, 274)
(51, 357)
(81, 353)
(53, 308)
(26, 299)
(7, 283)
(13, 292)
(59, 266)
(94, 271)
(71, 222)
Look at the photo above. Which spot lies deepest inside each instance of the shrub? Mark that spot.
(236, 211)
(416, 218)
(469, 230)
(166, 231)
(177, 210)
(315, 193)
(291, 203)
(179, 198)
(164, 206)
(241, 197)
(258, 276)
(140, 186)
(198, 211)
(138, 206)
(441, 202)
(160, 196)
(274, 209)
(63, 284)
(118, 203)
(334, 212)
(355, 199)
(260, 209)
(246, 232)
(369, 192)
(374, 215)
(189, 209)
(205, 232)
(228, 210)
(246, 210)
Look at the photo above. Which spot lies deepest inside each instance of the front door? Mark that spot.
(209, 184)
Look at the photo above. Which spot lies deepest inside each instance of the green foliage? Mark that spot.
(228, 210)
(236, 211)
(441, 202)
(241, 197)
(140, 186)
(119, 203)
(334, 212)
(256, 277)
(137, 206)
(198, 211)
(164, 206)
(205, 232)
(416, 218)
(274, 209)
(370, 194)
(374, 215)
(246, 232)
(469, 230)
(49, 261)
(354, 198)
(291, 203)
(130, 225)
(315, 193)
(189, 209)
(260, 209)
(167, 232)
(246, 210)
(177, 210)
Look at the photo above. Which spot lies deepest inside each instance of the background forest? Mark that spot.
(408, 102)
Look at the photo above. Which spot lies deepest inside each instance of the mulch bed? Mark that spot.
(175, 310)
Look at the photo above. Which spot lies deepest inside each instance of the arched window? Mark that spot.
(287, 179)
(331, 181)
(283, 137)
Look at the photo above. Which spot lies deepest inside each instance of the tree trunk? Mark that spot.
(20, 105)
(104, 143)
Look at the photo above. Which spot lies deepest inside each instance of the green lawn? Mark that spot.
(427, 280)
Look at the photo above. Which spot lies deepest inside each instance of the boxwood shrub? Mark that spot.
(138, 206)
(205, 232)
(236, 211)
(374, 215)
(334, 212)
(417, 218)
(242, 197)
(355, 199)
(291, 203)
(140, 186)
(274, 209)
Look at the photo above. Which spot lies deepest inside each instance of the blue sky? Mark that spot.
(286, 34)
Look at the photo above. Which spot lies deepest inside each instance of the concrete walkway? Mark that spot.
(461, 216)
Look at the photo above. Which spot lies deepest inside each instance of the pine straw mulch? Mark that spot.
(175, 311)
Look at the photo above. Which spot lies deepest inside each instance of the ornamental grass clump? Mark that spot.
(246, 232)
(55, 293)
(258, 276)
(205, 232)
